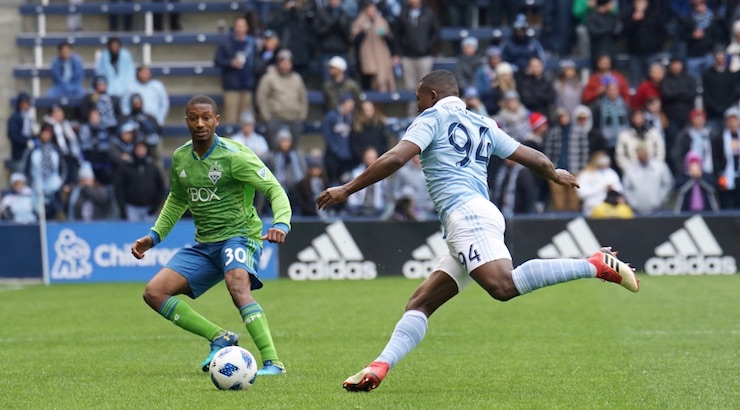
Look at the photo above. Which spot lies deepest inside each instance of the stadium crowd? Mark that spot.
(659, 134)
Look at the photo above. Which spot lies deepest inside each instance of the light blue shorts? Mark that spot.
(205, 264)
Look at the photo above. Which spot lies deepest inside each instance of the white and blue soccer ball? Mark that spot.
(233, 368)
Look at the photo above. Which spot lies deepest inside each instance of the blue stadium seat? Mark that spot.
(198, 68)
(130, 8)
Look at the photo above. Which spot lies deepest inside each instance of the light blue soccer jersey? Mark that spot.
(456, 145)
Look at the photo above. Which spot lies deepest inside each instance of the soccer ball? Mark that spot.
(233, 368)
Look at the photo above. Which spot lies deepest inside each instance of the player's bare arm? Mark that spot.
(141, 245)
(542, 166)
(385, 166)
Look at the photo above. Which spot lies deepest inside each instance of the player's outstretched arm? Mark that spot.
(542, 166)
(385, 166)
(141, 245)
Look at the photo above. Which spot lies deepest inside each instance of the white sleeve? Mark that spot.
(422, 131)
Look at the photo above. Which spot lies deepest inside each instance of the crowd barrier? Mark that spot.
(365, 250)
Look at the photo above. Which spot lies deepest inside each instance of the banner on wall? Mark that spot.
(101, 252)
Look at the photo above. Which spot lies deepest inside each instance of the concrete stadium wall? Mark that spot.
(10, 26)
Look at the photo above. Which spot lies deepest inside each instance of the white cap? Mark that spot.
(338, 63)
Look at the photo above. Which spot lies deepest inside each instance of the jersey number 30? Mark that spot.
(481, 152)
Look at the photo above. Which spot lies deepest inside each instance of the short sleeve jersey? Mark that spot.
(456, 145)
(219, 191)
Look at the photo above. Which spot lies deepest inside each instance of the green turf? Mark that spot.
(585, 344)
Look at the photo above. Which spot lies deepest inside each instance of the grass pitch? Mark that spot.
(584, 344)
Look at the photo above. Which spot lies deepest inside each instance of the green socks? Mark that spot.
(256, 322)
(181, 314)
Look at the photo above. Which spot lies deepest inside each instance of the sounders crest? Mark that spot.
(214, 173)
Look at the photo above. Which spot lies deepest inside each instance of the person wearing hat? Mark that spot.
(568, 86)
(282, 98)
(22, 127)
(17, 204)
(235, 56)
(332, 26)
(485, 78)
(648, 182)
(89, 200)
(468, 63)
(267, 53)
(473, 101)
(122, 148)
(729, 182)
(148, 128)
(248, 137)
(720, 89)
(638, 134)
(117, 66)
(286, 163)
(698, 138)
(513, 117)
(594, 88)
(108, 106)
(139, 186)
(47, 171)
(611, 113)
(308, 189)
(338, 84)
(521, 46)
(696, 190)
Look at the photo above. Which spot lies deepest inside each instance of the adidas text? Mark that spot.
(338, 270)
(692, 265)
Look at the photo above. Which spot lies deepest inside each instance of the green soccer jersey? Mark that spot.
(219, 191)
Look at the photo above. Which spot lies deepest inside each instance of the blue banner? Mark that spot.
(101, 252)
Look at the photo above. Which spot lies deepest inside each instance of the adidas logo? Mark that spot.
(182, 173)
(425, 257)
(332, 255)
(691, 250)
(576, 241)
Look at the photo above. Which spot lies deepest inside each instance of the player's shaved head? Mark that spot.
(441, 81)
(202, 99)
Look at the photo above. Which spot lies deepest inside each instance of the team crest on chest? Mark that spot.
(214, 173)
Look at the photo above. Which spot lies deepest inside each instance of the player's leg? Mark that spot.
(443, 284)
(240, 258)
(190, 272)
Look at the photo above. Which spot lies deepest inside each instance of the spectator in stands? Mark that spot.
(721, 90)
(503, 83)
(65, 138)
(699, 139)
(473, 102)
(287, 164)
(153, 95)
(535, 89)
(250, 139)
(122, 148)
(372, 37)
(522, 46)
(729, 186)
(332, 26)
(650, 88)
(655, 118)
(733, 50)
(513, 118)
(695, 191)
(514, 189)
(595, 87)
(701, 33)
(500, 11)
(108, 106)
(17, 204)
(460, 13)
(307, 190)
(638, 134)
(568, 87)
(567, 146)
(267, 55)
(174, 18)
(139, 186)
(117, 66)
(677, 93)
(336, 128)
(236, 57)
(128, 18)
(282, 99)
(485, 79)
(47, 171)
(538, 129)
(369, 129)
(403, 208)
(89, 200)
(22, 127)
(95, 142)
(294, 25)
(74, 20)
(614, 206)
(468, 63)
(372, 201)
(67, 73)
(647, 183)
(147, 128)
(410, 181)
(558, 27)
(595, 180)
(611, 114)
(604, 27)
(417, 34)
(645, 33)
(338, 83)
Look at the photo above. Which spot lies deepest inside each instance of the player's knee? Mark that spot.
(152, 297)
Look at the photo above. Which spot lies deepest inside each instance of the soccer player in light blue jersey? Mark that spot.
(454, 146)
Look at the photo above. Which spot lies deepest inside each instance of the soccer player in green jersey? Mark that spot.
(216, 179)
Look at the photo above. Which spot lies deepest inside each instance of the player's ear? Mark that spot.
(218, 119)
(435, 96)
